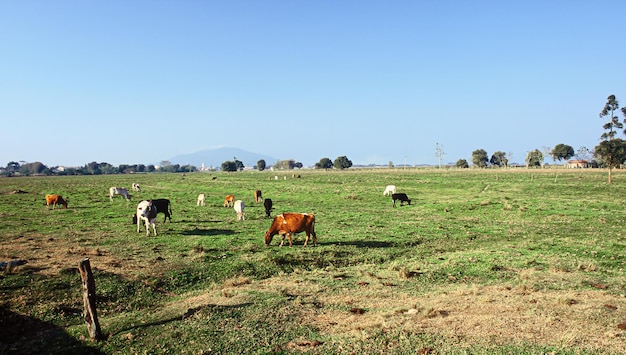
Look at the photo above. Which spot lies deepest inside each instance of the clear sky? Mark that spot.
(138, 82)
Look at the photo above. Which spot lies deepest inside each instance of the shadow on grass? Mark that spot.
(208, 232)
(363, 244)
(26, 335)
(189, 313)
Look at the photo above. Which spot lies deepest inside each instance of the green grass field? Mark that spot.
(481, 262)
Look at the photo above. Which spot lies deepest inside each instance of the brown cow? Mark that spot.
(229, 200)
(288, 223)
(258, 196)
(54, 200)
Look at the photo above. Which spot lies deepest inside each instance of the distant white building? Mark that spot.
(578, 163)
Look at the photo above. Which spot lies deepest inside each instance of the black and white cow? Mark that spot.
(163, 206)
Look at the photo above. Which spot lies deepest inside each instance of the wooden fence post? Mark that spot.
(89, 300)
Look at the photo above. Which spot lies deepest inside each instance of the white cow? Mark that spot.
(118, 191)
(146, 212)
(201, 200)
(136, 187)
(389, 190)
(239, 209)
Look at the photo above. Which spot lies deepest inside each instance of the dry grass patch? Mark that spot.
(466, 314)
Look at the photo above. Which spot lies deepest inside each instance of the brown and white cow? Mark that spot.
(258, 196)
(118, 191)
(229, 200)
(239, 208)
(286, 224)
(54, 200)
(146, 212)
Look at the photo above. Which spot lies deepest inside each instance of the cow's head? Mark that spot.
(268, 237)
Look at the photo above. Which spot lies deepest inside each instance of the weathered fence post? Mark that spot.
(89, 300)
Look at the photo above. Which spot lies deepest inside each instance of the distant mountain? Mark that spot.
(215, 157)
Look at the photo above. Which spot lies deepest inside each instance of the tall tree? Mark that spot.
(562, 152)
(499, 159)
(480, 158)
(610, 153)
(287, 164)
(324, 163)
(342, 162)
(534, 158)
(439, 153)
(613, 123)
(229, 166)
(260, 165)
(13, 166)
(583, 153)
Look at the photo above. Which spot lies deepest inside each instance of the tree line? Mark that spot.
(341, 162)
(610, 153)
(94, 168)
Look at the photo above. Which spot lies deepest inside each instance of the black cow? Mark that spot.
(268, 207)
(163, 206)
(402, 197)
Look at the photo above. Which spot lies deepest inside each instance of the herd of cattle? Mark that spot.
(284, 224)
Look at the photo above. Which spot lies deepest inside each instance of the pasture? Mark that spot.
(481, 262)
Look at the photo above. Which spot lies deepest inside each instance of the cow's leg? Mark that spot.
(282, 240)
(147, 228)
(289, 237)
(314, 238)
(153, 229)
(138, 224)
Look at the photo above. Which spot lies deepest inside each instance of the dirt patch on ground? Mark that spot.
(466, 314)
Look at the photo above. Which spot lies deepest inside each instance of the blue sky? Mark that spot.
(129, 82)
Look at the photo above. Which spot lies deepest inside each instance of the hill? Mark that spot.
(215, 157)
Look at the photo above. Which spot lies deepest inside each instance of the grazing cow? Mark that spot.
(146, 212)
(136, 187)
(268, 207)
(289, 223)
(119, 191)
(238, 206)
(390, 189)
(229, 200)
(402, 197)
(201, 200)
(163, 205)
(54, 200)
(258, 196)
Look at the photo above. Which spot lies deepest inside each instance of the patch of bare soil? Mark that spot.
(466, 314)
(49, 255)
